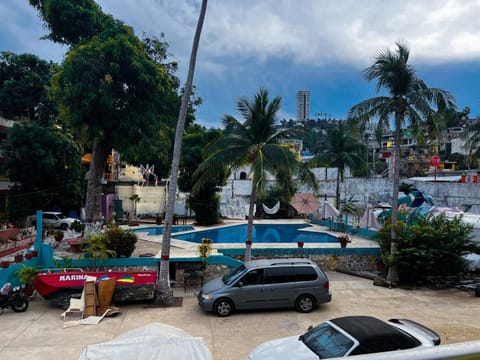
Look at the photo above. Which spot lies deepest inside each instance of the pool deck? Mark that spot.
(186, 249)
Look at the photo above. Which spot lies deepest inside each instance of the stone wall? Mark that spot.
(357, 263)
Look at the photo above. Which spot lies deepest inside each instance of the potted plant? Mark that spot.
(76, 226)
(4, 264)
(300, 244)
(58, 235)
(204, 249)
(343, 239)
(26, 275)
(18, 258)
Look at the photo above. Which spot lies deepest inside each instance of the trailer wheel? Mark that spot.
(477, 290)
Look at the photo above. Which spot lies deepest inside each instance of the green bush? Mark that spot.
(431, 246)
(120, 241)
(76, 226)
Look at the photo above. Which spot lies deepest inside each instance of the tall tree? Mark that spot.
(203, 202)
(24, 84)
(165, 294)
(410, 100)
(44, 165)
(341, 149)
(255, 142)
(109, 88)
(472, 143)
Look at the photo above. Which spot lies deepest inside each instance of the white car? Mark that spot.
(55, 219)
(348, 336)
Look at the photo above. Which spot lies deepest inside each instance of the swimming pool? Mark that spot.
(262, 233)
(158, 230)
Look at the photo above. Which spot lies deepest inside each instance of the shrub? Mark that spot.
(204, 249)
(76, 226)
(120, 241)
(432, 246)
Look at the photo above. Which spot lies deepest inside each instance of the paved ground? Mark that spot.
(39, 333)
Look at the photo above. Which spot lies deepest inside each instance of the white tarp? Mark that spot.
(152, 341)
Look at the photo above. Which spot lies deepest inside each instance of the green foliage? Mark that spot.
(204, 249)
(24, 83)
(405, 188)
(431, 246)
(26, 274)
(110, 88)
(44, 165)
(119, 241)
(341, 149)
(76, 226)
(204, 201)
(65, 262)
(71, 21)
(96, 247)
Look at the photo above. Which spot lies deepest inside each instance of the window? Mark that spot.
(253, 277)
(230, 277)
(243, 175)
(326, 341)
(305, 273)
(278, 275)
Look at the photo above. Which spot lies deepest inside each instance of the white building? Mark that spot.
(303, 105)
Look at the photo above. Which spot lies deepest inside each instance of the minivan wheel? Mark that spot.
(64, 226)
(304, 304)
(223, 307)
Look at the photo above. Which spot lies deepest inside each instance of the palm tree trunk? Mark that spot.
(165, 295)
(93, 203)
(392, 275)
(337, 190)
(248, 243)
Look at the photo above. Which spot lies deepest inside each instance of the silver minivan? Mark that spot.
(267, 283)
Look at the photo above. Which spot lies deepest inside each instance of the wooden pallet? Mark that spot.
(90, 299)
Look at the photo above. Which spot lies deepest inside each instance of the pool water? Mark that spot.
(158, 230)
(262, 233)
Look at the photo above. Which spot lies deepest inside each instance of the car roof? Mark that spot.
(370, 330)
(273, 262)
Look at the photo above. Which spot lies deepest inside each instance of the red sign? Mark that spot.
(435, 161)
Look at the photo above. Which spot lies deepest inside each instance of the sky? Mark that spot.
(288, 45)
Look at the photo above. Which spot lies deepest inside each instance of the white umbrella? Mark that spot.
(328, 211)
(369, 220)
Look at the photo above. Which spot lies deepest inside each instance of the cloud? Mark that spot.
(286, 45)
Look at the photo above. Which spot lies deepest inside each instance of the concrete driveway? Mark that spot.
(39, 333)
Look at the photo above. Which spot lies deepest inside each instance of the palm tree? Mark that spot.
(340, 150)
(256, 143)
(165, 294)
(472, 142)
(409, 100)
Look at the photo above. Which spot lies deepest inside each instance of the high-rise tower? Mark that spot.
(303, 105)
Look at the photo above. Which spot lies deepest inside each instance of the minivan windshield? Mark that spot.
(230, 277)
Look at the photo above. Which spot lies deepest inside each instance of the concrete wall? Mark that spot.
(463, 195)
(152, 200)
(444, 193)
